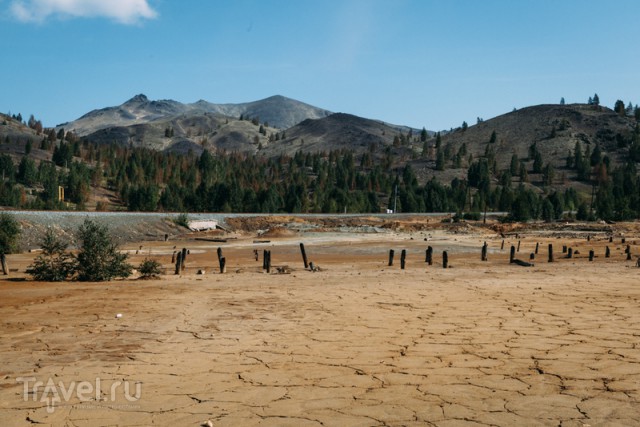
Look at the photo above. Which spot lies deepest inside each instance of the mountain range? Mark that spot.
(278, 125)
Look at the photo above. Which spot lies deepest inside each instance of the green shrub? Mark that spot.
(9, 232)
(55, 264)
(149, 268)
(182, 220)
(99, 258)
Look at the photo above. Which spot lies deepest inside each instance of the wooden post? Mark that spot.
(223, 265)
(430, 255)
(173, 257)
(445, 259)
(628, 253)
(610, 239)
(255, 254)
(3, 261)
(591, 254)
(502, 246)
(570, 253)
(518, 245)
(564, 249)
(483, 255)
(178, 262)
(391, 252)
(311, 266)
(550, 252)
(512, 256)
(264, 259)
(166, 237)
(304, 256)
(532, 256)
(268, 262)
(537, 245)
(588, 237)
(184, 257)
(607, 252)
(623, 240)
(403, 256)
(220, 258)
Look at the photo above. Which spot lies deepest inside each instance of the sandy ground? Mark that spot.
(356, 344)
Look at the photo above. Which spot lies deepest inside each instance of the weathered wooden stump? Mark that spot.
(518, 245)
(184, 255)
(512, 255)
(255, 254)
(537, 245)
(550, 252)
(483, 255)
(391, 252)
(179, 267)
(610, 239)
(591, 255)
(173, 257)
(522, 263)
(607, 252)
(220, 257)
(624, 240)
(403, 258)
(532, 256)
(628, 253)
(429, 258)
(564, 249)
(304, 256)
(502, 245)
(570, 253)
(588, 237)
(223, 265)
(445, 259)
(267, 261)
(166, 237)
(5, 267)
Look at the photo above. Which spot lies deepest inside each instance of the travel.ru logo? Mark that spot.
(52, 393)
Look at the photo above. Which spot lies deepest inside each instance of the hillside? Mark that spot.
(554, 129)
(278, 111)
(514, 161)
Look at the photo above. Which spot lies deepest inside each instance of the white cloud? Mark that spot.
(122, 11)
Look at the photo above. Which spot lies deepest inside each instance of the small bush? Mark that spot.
(149, 268)
(99, 258)
(9, 232)
(182, 220)
(55, 264)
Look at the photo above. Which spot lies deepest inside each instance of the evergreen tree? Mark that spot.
(99, 258)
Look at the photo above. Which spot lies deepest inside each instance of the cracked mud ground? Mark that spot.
(359, 343)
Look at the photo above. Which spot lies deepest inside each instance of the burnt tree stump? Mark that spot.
(607, 252)
(591, 254)
(512, 255)
(391, 252)
(483, 255)
(429, 258)
(445, 259)
(403, 258)
(550, 252)
(304, 256)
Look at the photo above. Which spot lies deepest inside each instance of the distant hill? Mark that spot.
(335, 132)
(278, 111)
(554, 129)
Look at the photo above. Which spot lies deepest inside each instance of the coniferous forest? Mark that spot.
(336, 181)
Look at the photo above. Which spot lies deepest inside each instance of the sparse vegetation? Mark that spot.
(99, 258)
(55, 264)
(149, 269)
(9, 233)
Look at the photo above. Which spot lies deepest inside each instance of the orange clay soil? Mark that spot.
(358, 343)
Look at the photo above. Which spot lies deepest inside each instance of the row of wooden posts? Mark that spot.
(180, 257)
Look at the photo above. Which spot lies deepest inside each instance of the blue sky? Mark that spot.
(430, 63)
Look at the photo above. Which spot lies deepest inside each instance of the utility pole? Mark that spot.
(395, 201)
